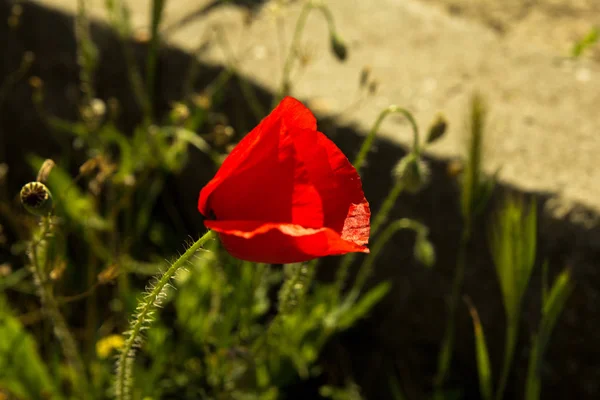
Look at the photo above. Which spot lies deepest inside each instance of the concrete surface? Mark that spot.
(544, 123)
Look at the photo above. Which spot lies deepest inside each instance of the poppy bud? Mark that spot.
(36, 198)
(437, 129)
(338, 47)
(413, 172)
(179, 113)
(424, 251)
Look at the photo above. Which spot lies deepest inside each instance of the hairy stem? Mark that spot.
(143, 318)
(38, 250)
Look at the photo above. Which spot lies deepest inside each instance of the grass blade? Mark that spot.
(484, 367)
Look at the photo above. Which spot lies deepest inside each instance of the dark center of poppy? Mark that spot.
(34, 195)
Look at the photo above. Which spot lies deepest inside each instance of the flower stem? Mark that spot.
(291, 57)
(367, 267)
(512, 331)
(379, 219)
(289, 61)
(368, 142)
(143, 318)
(38, 251)
(445, 355)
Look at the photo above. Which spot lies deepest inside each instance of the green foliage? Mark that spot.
(513, 245)
(476, 190)
(552, 306)
(23, 373)
(484, 367)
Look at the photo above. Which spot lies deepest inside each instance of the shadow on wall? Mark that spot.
(404, 332)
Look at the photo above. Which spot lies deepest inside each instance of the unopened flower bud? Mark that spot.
(179, 113)
(437, 129)
(36, 198)
(98, 107)
(338, 47)
(424, 251)
(413, 173)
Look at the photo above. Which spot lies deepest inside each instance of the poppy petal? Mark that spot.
(276, 189)
(262, 143)
(344, 205)
(280, 243)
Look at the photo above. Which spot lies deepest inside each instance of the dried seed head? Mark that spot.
(36, 198)
(413, 172)
(108, 274)
(45, 170)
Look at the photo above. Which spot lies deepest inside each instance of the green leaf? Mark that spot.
(533, 382)
(484, 367)
(553, 305)
(22, 372)
(561, 289)
(363, 305)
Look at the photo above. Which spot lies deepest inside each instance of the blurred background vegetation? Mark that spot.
(130, 150)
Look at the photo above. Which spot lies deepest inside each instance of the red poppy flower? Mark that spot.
(287, 193)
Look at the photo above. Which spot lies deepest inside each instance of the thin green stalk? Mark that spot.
(368, 142)
(143, 318)
(474, 195)
(38, 249)
(292, 54)
(512, 330)
(445, 355)
(295, 286)
(291, 57)
(367, 267)
(379, 219)
(245, 87)
(385, 209)
(157, 11)
(87, 53)
(119, 17)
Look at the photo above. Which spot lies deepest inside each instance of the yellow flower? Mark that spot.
(106, 345)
